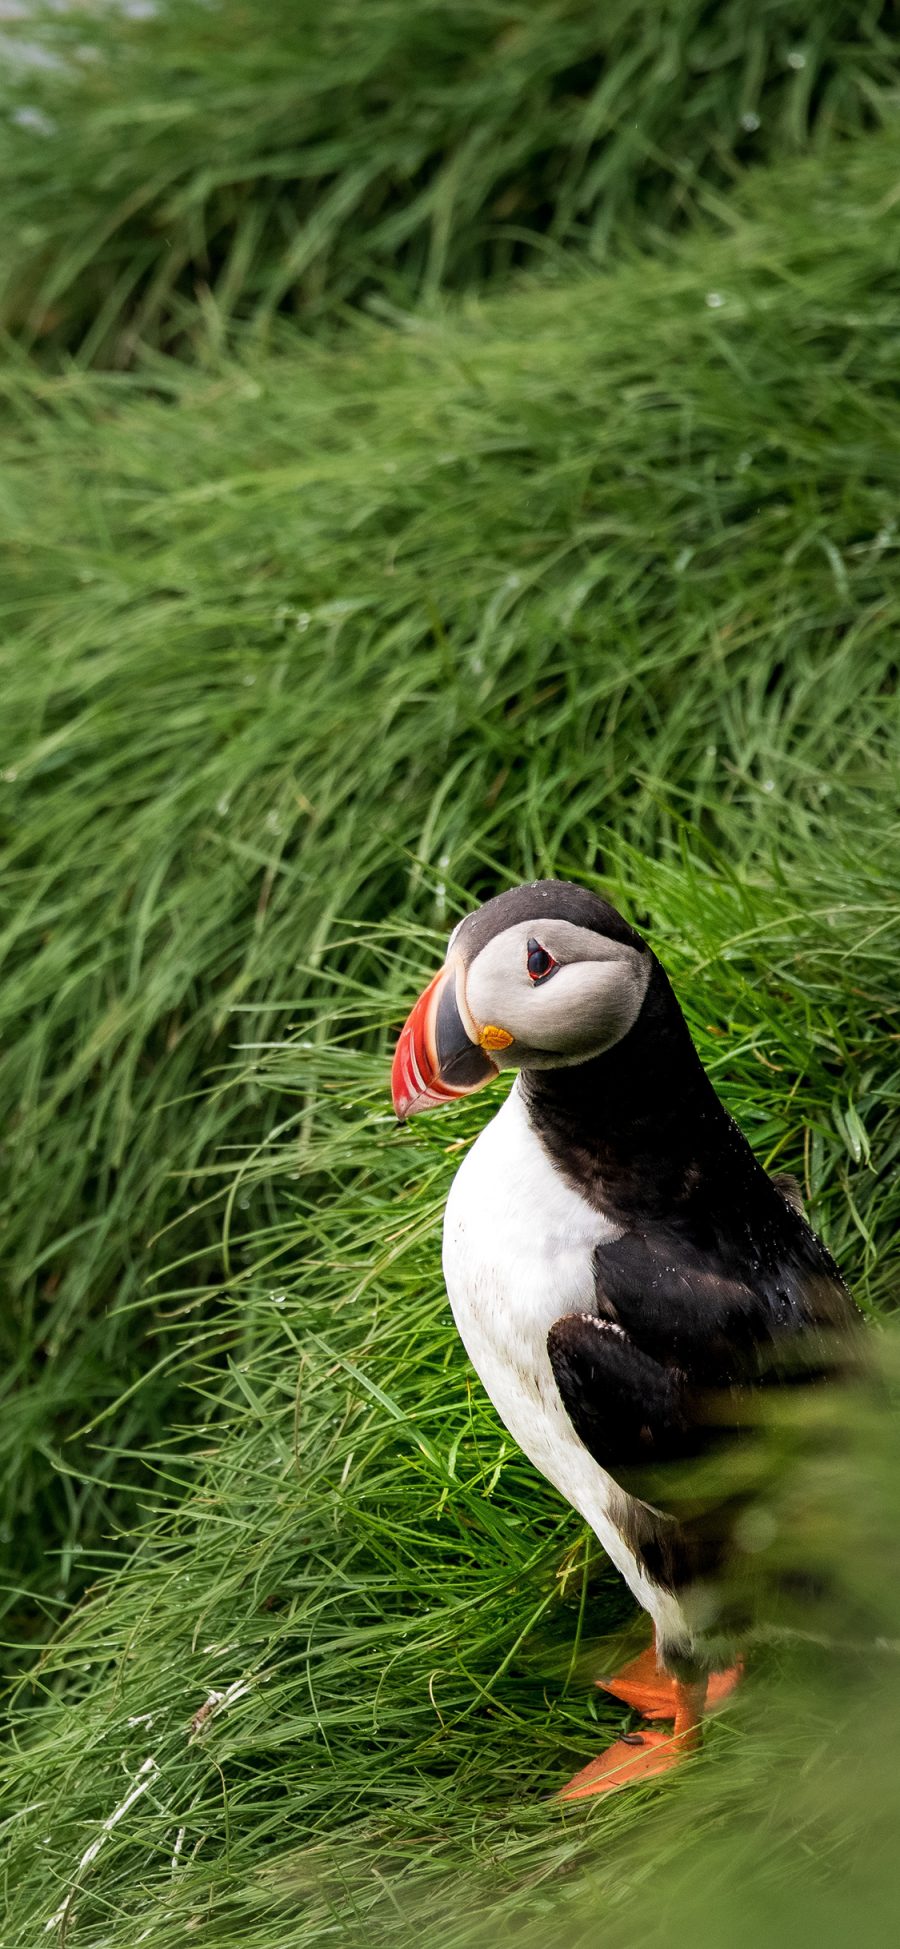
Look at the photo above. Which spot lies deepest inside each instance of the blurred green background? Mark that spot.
(441, 444)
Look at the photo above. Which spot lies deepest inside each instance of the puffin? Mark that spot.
(627, 1280)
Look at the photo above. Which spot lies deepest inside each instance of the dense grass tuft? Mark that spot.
(301, 655)
(162, 176)
(352, 639)
(387, 1623)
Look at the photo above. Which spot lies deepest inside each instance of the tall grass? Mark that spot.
(302, 654)
(353, 638)
(163, 176)
(350, 1651)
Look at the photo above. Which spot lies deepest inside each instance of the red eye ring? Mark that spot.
(539, 962)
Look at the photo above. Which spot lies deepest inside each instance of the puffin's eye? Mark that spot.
(540, 963)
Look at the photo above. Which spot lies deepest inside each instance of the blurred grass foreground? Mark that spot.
(441, 445)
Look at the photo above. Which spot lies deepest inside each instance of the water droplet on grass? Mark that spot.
(34, 120)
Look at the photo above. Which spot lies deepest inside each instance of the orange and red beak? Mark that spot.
(436, 1060)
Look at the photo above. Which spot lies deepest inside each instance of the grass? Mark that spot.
(165, 176)
(292, 648)
(301, 655)
(386, 1621)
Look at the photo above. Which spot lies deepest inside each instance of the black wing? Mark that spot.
(627, 1408)
(679, 1360)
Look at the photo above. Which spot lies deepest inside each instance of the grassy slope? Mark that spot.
(301, 656)
(310, 155)
(302, 643)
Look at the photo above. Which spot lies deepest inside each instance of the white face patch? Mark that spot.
(588, 1003)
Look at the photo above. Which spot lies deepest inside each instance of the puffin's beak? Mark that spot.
(435, 1059)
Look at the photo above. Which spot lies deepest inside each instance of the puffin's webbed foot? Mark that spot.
(642, 1755)
(634, 1756)
(650, 1690)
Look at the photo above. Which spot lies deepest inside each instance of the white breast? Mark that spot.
(518, 1251)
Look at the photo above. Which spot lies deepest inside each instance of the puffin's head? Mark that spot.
(542, 977)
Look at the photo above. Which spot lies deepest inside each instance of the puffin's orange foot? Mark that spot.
(635, 1756)
(643, 1686)
(651, 1692)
